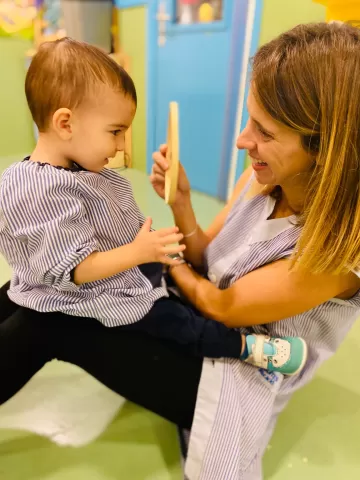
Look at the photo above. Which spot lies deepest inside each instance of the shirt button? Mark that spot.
(212, 277)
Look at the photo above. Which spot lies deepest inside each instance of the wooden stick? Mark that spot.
(172, 155)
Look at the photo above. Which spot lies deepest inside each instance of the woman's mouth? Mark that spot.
(258, 164)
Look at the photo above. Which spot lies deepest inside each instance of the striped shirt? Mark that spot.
(237, 404)
(51, 219)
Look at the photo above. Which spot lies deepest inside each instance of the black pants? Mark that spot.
(156, 374)
(174, 320)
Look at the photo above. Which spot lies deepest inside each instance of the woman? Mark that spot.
(286, 247)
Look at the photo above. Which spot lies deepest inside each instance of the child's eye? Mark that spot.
(115, 132)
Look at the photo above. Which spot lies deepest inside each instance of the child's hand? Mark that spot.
(154, 246)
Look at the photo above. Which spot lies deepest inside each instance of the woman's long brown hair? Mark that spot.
(309, 80)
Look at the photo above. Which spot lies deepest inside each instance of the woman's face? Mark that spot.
(276, 152)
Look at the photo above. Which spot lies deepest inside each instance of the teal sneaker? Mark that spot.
(286, 355)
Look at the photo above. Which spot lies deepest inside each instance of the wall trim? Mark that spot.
(252, 35)
(130, 3)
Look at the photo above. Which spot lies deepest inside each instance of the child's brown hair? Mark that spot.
(65, 72)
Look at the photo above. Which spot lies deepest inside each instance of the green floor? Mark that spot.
(317, 436)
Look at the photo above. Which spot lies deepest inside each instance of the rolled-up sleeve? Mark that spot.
(47, 214)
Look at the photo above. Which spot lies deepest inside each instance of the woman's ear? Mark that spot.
(62, 123)
(312, 145)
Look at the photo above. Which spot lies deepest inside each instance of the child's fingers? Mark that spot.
(147, 225)
(165, 232)
(172, 238)
(171, 249)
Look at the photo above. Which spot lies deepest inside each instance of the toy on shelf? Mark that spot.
(17, 17)
(187, 11)
(198, 11)
(47, 24)
(342, 10)
(206, 13)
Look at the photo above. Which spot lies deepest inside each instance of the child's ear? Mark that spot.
(62, 123)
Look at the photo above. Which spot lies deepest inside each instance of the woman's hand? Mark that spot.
(157, 177)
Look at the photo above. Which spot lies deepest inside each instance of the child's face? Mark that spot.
(98, 129)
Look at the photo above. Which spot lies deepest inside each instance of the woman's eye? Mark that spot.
(264, 134)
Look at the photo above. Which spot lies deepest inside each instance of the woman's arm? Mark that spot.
(185, 219)
(266, 295)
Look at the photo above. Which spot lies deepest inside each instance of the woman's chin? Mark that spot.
(264, 177)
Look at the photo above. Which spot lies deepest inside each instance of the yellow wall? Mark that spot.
(343, 10)
(281, 15)
(132, 33)
(16, 134)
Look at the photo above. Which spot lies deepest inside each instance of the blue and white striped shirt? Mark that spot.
(238, 404)
(51, 219)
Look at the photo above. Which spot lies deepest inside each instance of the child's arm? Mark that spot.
(149, 246)
(46, 215)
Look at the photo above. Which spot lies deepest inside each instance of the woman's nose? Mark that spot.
(245, 140)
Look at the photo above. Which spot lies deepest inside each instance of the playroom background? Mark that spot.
(184, 51)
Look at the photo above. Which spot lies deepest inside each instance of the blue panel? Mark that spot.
(198, 81)
(193, 68)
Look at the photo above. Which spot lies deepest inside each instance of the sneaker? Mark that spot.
(286, 355)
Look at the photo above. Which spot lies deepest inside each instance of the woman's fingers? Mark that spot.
(163, 149)
(160, 161)
(157, 179)
(156, 170)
